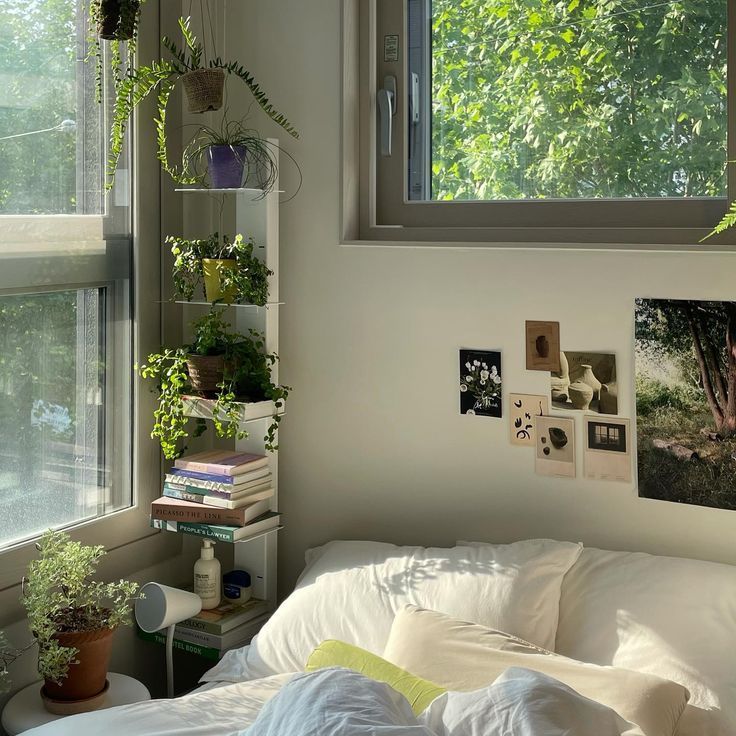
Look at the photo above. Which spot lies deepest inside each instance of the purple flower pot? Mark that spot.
(225, 165)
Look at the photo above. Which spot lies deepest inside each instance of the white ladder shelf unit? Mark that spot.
(256, 216)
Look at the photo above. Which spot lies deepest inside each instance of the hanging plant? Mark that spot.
(162, 76)
(115, 21)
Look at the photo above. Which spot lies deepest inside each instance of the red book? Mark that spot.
(172, 509)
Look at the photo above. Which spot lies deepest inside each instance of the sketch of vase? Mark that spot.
(587, 376)
(581, 394)
(483, 403)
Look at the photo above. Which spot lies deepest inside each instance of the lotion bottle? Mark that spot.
(207, 576)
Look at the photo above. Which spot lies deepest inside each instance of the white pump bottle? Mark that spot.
(207, 576)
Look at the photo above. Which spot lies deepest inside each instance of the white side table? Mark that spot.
(25, 709)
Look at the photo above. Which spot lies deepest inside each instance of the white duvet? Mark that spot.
(339, 702)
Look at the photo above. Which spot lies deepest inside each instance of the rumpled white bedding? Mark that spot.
(339, 702)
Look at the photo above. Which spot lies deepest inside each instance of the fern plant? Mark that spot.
(727, 222)
(162, 76)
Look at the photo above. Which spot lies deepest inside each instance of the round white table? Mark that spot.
(25, 709)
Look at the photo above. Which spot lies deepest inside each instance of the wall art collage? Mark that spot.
(685, 391)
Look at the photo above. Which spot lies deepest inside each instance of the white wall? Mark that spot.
(373, 444)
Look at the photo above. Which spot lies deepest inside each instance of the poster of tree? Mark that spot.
(686, 401)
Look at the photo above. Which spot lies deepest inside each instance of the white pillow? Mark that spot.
(524, 703)
(667, 616)
(350, 591)
(463, 656)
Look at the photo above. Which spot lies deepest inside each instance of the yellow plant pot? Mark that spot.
(213, 269)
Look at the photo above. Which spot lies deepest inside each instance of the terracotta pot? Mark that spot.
(213, 269)
(87, 677)
(111, 27)
(204, 89)
(205, 372)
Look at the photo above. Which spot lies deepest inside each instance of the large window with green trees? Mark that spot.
(65, 286)
(534, 106)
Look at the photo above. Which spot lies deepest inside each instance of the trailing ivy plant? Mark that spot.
(248, 280)
(123, 36)
(162, 76)
(247, 377)
(60, 596)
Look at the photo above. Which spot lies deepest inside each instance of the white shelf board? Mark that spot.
(232, 190)
(237, 306)
(199, 408)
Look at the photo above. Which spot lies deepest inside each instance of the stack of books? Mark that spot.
(211, 633)
(219, 494)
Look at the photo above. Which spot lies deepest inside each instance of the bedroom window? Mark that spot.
(65, 281)
(529, 120)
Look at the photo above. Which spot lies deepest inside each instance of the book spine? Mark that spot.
(186, 488)
(206, 627)
(204, 515)
(184, 646)
(206, 477)
(180, 495)
(199, 530)
(207, 468)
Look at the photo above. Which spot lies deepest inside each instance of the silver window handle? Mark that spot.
(387, 109)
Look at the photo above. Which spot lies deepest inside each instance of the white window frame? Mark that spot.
(376, 208)
(131, 525)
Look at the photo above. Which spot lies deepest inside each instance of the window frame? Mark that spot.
(377, 209)
(130, 525)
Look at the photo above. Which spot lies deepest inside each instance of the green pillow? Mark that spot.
(420, 693)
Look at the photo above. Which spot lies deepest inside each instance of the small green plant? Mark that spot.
(162, 76)
(247, 375)
(260, 155)
(248, 280)
(116, 21)
(60, 596)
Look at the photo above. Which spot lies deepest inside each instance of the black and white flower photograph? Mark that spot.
(480, 383)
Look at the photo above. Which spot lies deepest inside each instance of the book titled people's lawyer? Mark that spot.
(221, 532)
(225, 462)
(174, 510)
(221, 482)
(231, 501)
(226, 617)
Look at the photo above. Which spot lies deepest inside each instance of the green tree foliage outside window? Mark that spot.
(578, 98)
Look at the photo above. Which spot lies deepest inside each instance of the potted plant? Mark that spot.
(72, 618)
(162, 75)
(228, 269)
(115, 21)
(219, 156)
(243, 368)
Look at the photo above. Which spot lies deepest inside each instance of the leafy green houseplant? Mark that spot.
(115, 21)
(162, 76)
(73, 617)
(225, 156)
(228, 269)
(227, 367)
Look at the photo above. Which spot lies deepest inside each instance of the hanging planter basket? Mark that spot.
(226, 166)
(205, 373)
(213, 270)
(204, 89)
(117, 21)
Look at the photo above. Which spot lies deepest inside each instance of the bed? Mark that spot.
(648, 639)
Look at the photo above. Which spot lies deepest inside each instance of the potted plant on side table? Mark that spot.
(73, 619)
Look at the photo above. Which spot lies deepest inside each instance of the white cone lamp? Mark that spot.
(162, 607)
